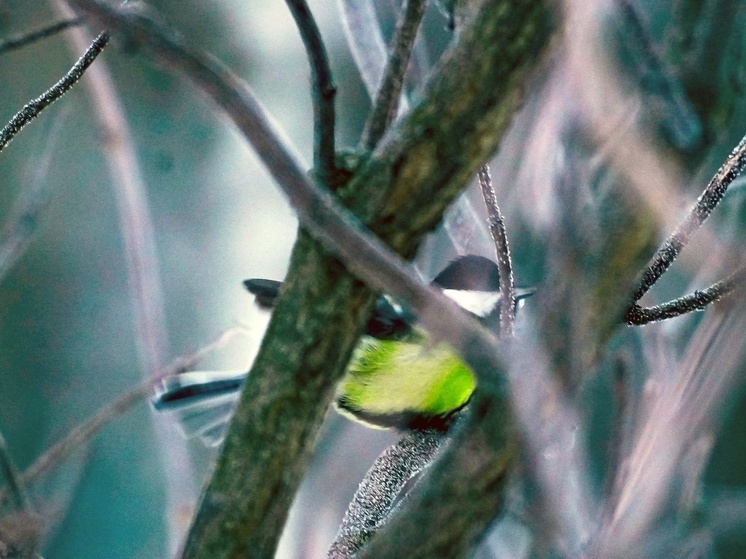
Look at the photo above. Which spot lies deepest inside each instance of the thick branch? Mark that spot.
(401, 192)
(32, 109)
(323, 90)
(387, 100)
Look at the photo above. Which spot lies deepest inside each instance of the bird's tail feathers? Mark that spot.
(202, 402)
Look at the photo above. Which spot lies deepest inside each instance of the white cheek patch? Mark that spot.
(480, 303)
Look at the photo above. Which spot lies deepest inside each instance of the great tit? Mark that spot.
(397, 376)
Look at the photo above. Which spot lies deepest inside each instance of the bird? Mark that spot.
(397, 377)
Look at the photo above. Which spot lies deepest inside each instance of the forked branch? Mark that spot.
(697, 301)
(667, 253)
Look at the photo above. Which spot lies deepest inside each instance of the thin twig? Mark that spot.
(85, 431)
(387, 100)
(382, 484)
(323, 90)
(697, 301)
(707, 202)
(32, 109)
(21, 41)
(12, 476)
(504, 265)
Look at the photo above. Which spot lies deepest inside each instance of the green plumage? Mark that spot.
(404, 383)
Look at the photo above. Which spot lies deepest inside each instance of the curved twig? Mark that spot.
(32, 109)
(323, 90)
(142, 266)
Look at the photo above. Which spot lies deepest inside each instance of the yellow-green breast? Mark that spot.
(404, 383)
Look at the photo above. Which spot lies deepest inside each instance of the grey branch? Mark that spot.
(383, 483)
(387, 99)
(323, 91)
(32, 109)
(502, 249)
(15, 43)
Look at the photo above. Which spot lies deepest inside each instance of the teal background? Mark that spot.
(67, 345)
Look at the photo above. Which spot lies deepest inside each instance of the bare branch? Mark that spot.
(319, 211)
(85, 431)
(323, 90)
(500, 238)
(383, 482)
(32, 109)
(707, 202)
(26, 39)
(697, 301)
(387, 100)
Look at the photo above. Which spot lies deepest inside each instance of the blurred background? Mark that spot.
(68, 329)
